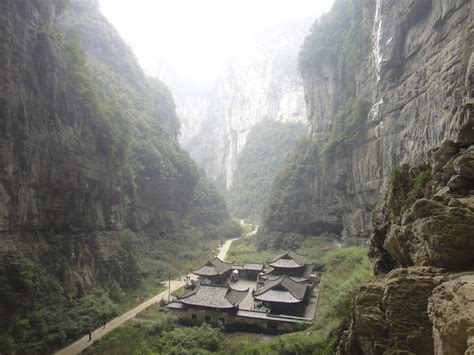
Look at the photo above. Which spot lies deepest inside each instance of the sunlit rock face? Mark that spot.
(422, 301)
(413, 74)
(261, 82)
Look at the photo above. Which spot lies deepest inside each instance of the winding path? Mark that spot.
(81, 344)
(225, 248)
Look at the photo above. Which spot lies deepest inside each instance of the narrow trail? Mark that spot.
(83, 343)
(225, 248)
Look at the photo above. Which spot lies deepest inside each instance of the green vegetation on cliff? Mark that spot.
(134, 208)
(301, 200)
(287, 208)
(264, 154)
(403, 188)
(340, 37)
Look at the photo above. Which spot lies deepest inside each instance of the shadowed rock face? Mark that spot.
(412, 72)
(62, 168)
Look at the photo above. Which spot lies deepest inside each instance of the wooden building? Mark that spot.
(218, 305)
(216, 271)
(284, 296)
(208, 303)
(290, 264)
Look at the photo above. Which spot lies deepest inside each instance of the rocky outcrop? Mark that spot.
(261, 82)
(425, 220)
(387, 90)
(386, 317)
(435, 230)
(433, 234)
(451, 310)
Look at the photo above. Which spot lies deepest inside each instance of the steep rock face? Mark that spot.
(386, 315)
(90, 170)
(47, 178)
(57, 169)
(261, 82)
(425, 220)
(383, 89)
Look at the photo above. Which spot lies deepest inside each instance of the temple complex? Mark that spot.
(272, 298)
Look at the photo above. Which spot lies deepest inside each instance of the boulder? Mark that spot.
(390, 316)
(451, 309)
(433, 234)
(464, 164)
(441, 156)
(458, 182)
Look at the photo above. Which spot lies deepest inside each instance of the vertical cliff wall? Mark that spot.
(90, 171)
(388, 86)
(261, 82)
(383, 84)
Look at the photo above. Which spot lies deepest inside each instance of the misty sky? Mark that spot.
(194, 37)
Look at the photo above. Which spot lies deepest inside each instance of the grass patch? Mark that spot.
(244, 250)
(404, 187)
(247, 228)
(154, 331)
(179, 292)
(146, 289)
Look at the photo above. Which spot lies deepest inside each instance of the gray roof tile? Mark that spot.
(283, 289)
(289, 259)
(213, 267)
(214, 296)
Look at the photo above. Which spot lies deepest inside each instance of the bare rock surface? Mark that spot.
(414, 74)
(451, 310)
(433, 234)
(423, 299)
(389, 316)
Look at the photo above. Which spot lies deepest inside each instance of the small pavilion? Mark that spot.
(208, 303)
(290, 264)
(284, 296)
(216, 271)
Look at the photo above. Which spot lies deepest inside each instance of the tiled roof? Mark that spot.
(214, 296)
(254, 267)
(274, 274)
(213, 267)
(272, 277)
(289, 259)
(283, 289)
(278, 296)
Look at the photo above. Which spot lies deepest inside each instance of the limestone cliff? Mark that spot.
(261, 82)
(90, 170)
(389, 87)
(384, 82)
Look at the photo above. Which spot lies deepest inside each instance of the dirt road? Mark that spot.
(224, 249)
